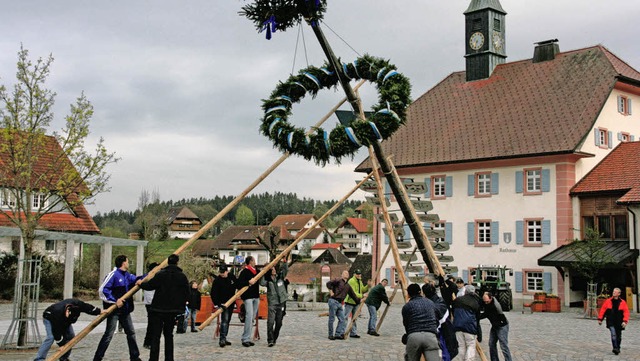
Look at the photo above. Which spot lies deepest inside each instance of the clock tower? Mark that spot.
(485, 38)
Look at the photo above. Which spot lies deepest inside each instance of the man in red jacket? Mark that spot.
(617, 313)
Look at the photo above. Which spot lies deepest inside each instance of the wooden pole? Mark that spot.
(96, 321)
(393, 295)
(275, 261)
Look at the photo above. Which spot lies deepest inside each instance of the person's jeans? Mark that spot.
(48, 341)
(466, 346)
(616, 337)
(499, 334)
(274, 322)
(161, 323)
(191, 315)
(225, 318)
(351, 309)
(335, 310)
(422, 344)
(373, 318)
(112, 324)
(251, 307)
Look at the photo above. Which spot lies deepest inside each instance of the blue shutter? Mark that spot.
(610, 136)
(471, 185)
(629, 106)
(546, 180)
(620, 104)
(546, 232)
(427, 184)
(518, 280)
(547, 282)
(632, 138)
(597, 138)
(448, 186)
(471, 232)
(387, 273)
(448, 232)
(465, 275)
(619, 136)
(407, 232)
(519, 232)
(519, 181)
(386, 238)
(494, 183)
(495, 236)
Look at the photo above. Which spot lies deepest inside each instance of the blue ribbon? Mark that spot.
(302, 86)
(389, 75)
(380, 73)
(344, 67)
(284, 97)
(270, 26)
(279, 107)
(307, 140)
(326, 71)
(290, 140)
(327, 144)
(389, 112)
(352, 136)
(313, 78)
(355, 66)
(375, 130)
(272, 124)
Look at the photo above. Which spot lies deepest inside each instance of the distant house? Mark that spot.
(235, 243)
(319, 248)
(304, 278)
(298, 223)
(355, 234)
(182, 223)
(332, 256)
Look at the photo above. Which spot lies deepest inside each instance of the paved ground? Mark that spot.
(565, 336)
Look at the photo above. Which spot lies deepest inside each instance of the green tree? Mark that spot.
(244, 216)
(152, 216)
(44, 173)
(590, 254)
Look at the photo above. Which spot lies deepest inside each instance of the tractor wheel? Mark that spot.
(506, 302)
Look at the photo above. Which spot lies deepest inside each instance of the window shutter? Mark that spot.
(448, 186)
(465, 275)
(388, 274)
(519, 232)
(632, 138)
(519, 181)
(471, 230)
(448, 232)
(495, 236)
(597, 138)
(518, 280)
(547, 282)
(427, 185)
(386, 238)
(407, 232)
(546, 232)
(471, 186)
(629, 106)
(620, 104)
(610, 137)
(619, 136)
(546, 180)
(494, 183)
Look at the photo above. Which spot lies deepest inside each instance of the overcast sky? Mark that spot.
(177, 85)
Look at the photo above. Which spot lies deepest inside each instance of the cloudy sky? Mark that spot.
(176, 85)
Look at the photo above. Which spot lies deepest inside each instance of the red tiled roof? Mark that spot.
(522, 109)
(302, 273)
(618, 171)
(361, 225)
(293, 222)
(326, 246)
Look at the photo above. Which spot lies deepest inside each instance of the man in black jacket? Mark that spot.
(58, 319)
(172, 292)
(251, 298)
(499, 327)
(222, 289)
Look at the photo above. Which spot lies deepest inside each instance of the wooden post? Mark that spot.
(275, 261)
(96, 321)
(393, 295)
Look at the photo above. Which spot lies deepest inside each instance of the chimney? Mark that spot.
(545, 50)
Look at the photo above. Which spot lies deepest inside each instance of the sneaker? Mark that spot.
(194, 330)
(355, 336)
(246, 344)
(222, 344)
(251, 343)
(271, 344)
(331, 338)
(227, 343)
(339, 337)
(616, 351)
(373, 333)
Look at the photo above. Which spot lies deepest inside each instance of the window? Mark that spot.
(534, 232)
(484, 233)
(438, 225)
(39, 201)
(624, 137)
(8, 198)
(603, 138)
(50, 245)
(483, 184)
(496, 24)
(613, 227)
(533, 281)
(624, 105)
(353, 236)
(438, 184)
(534, 180)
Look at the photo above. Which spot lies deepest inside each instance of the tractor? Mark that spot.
(492, 278)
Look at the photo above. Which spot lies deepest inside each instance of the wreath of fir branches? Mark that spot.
(272, 15)
(388, 114)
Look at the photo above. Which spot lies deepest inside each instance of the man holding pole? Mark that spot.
(338, 289)
(354, 297)
(251, 297)
(222, 289)
(377, 295)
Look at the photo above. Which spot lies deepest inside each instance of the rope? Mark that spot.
(344, 41)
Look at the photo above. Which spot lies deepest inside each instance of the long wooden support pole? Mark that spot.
(393, 295)
(96, 321)
(275, 261)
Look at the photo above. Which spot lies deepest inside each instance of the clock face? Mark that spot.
(498, 42)
(476, 41)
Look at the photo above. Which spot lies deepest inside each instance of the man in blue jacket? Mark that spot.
(115, 285)
(466, 314)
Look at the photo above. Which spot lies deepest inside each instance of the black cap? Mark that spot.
(357, 271)
(223, 268)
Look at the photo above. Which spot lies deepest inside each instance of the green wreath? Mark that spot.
(388, 114)
(272, 15)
